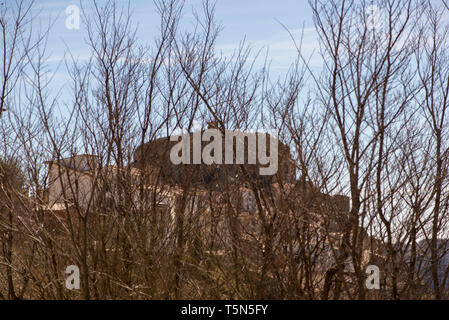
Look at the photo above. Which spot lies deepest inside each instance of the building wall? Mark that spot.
(70, 185)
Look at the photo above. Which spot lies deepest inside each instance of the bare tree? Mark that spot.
(362, 173)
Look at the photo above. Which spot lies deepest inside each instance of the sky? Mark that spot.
(259, 22)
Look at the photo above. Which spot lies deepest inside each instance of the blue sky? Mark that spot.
(253, 20)
(257, 21)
